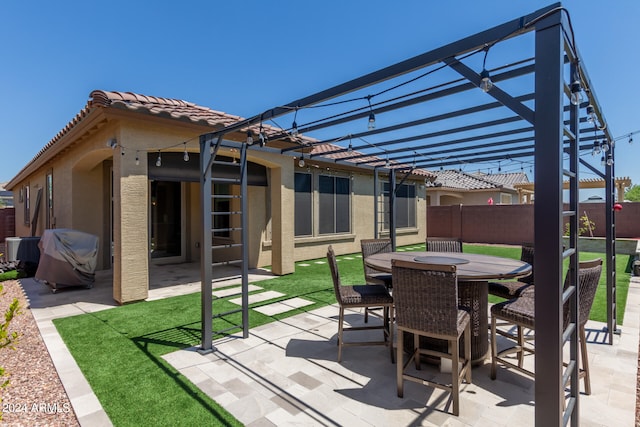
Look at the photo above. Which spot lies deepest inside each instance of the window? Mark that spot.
(334, 209)
(302, 205)
(405, 205)
(27, 205)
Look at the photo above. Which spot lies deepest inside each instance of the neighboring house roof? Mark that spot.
(455, 180)
(172, 109)
(507, 180)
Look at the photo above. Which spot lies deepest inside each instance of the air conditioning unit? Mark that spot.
(23, 249)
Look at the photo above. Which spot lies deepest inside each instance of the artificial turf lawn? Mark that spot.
(120, 350)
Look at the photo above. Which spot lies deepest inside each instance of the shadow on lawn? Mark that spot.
(179, 337)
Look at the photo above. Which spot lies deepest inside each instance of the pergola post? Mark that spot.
(548, 223)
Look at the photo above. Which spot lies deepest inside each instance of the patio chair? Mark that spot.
(521, 313)
(372, 247)
(361, 296)
(426, 301)
(512, 289)
(371, 275)
(444, 244)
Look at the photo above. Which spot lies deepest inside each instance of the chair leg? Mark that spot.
(521, 346)
(494, 348)
(340, 332)
(390, 331)
(416, 350)
(366, 315)
(455, 376)
(400, 364)
(467, 351)
(585, 361)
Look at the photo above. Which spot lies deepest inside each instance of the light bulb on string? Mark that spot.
(604, 146)
(249, 137)
(137, 158)
(294, 125)
(485, 78)
(602, 161)
(301, 161)
(609, 159)
(372, 117)
(576, 92)
(596, 148)
(159, 160)
(185, 157)
(591, 115)
(630, 139)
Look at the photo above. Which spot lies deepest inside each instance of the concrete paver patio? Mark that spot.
(286, 372)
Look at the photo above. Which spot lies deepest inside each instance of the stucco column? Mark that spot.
(283, 218)
(130, 227)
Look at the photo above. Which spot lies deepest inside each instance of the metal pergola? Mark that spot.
(447, 108)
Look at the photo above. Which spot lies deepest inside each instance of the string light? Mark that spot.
(596, 148)
(112, 143)
(602, 161)
(137, 158)
(301, 161)
(350, 148)
(372, 117)
(576, 92)
(591, 114)
(249, 137)
(159, 160)
(630, 139)
(261, 136)
(609, 159)
(485, 78)
(185, 157)
(294, 125)
(604, 146)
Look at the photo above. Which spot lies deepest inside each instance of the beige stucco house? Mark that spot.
(126, 169)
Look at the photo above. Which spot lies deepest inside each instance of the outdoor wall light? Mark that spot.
(576, 92)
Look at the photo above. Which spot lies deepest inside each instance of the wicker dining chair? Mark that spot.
(426, 302)
(371, 247)
(361, 296)
(513, 288)
(521, 312)
(444, 244)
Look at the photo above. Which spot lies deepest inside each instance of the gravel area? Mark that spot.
(35, 396)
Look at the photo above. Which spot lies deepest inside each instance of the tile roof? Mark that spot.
(507, 180)
(461, 181)
(177, 110)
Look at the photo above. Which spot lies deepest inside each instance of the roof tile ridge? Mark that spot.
(479, 178)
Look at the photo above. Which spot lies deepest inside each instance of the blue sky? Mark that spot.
(243, 57)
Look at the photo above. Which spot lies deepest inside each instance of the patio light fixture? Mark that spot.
(372, 117)
(294, 125)
(485, 79)
(159, 160)
(185, 157)
(301, 161)
(249, 137)
(591, 114)
(609, 159)
(576, 92)
(596, 148)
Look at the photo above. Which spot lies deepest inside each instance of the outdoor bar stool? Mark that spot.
(426, 301)
(512, 289)
(521, 313)
(444, 244)
(361, 296)
(371, 275)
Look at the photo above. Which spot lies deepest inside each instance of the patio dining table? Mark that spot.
(474, 272)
